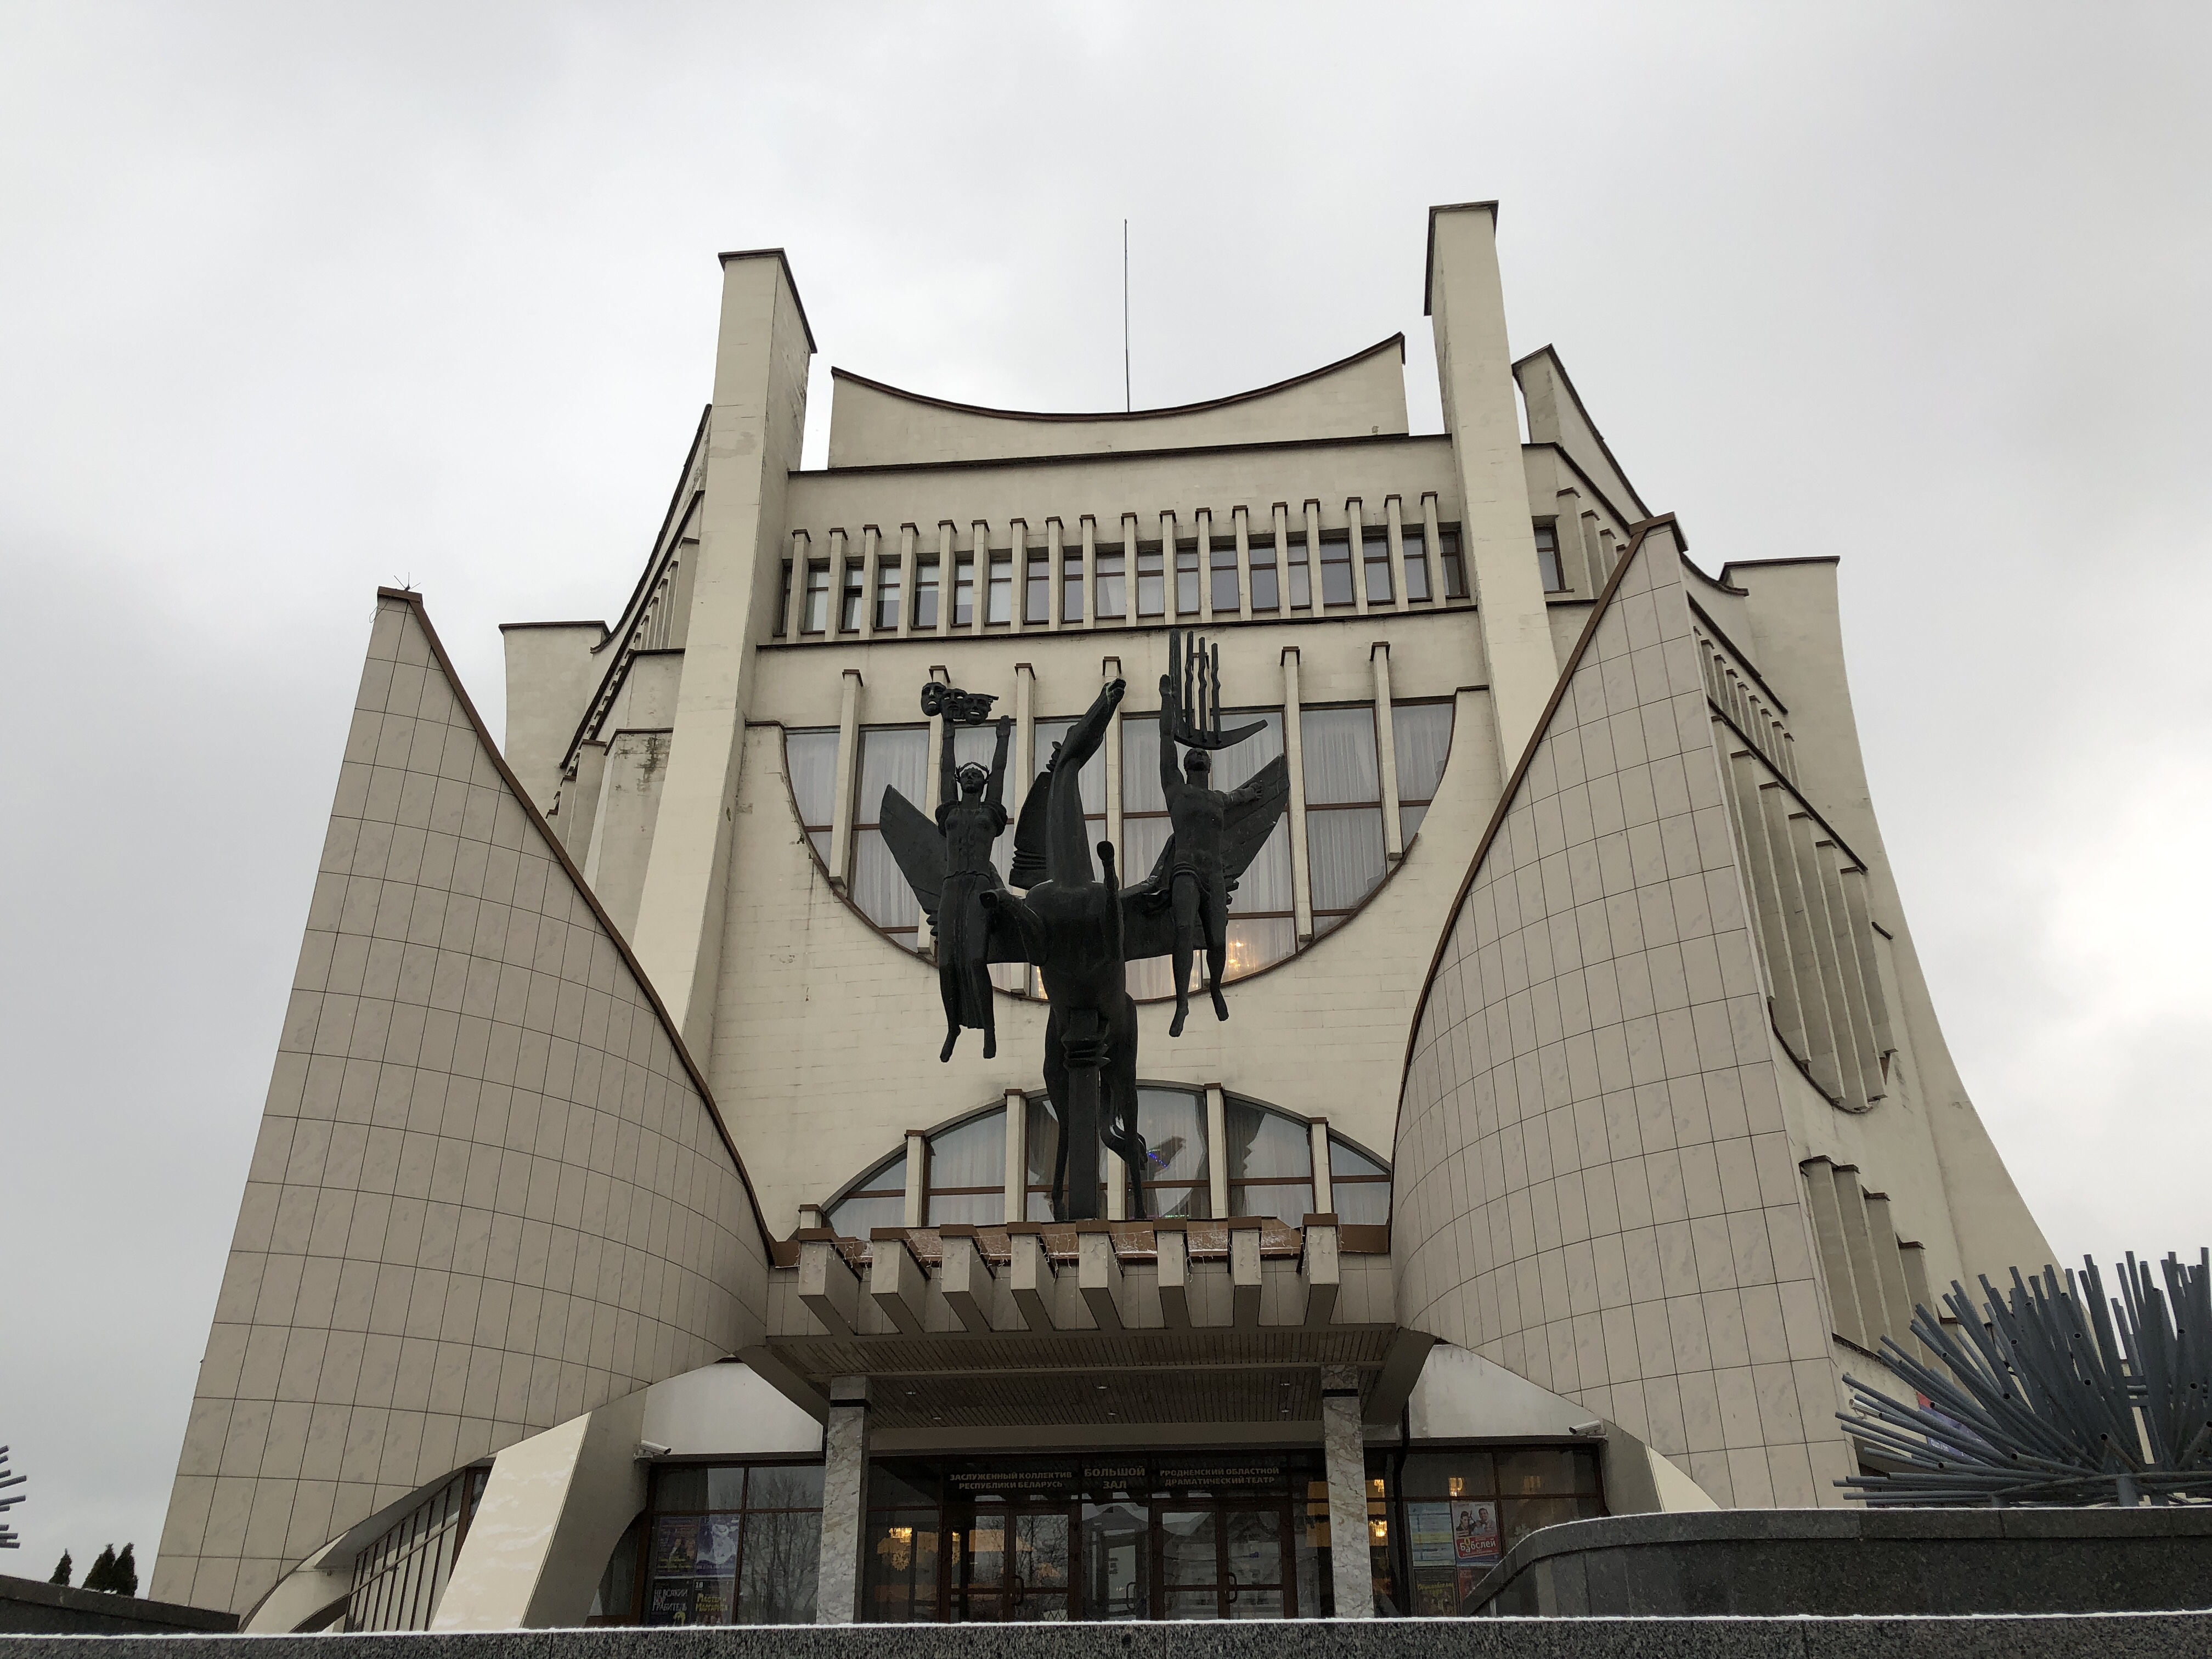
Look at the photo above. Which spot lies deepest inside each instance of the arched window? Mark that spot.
(1264, 1159)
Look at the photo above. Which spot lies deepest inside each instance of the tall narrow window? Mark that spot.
(1547, 559)
(1145, 830)
(1265, 596)
(1335, 569)
(732, 1545)
(968, 1172)
(924, 593)
(1070, 585)
(1225, 596)
(887, 595)
(1113, 585)
(1362, 1187)
(1299, 572)
(896, 757)
(856, 598)
(1454, 566)
(1262, 927)
(1374, 553)
(1415, 541)
(783, 603)
(1187, 579)
(1152, 581)
(817, 598)
(1173, 1124)
(1343, 810)
(1421, 733)
(1001, 599)
(963, 590)
(809, 760)
(1036, 601)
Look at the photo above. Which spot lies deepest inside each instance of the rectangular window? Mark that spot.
(967, 1173)
(1071, 585)
(809, 760)
(1265, 594)
(887, 596)
(1335, 569)
(1270, 1159)
(783, 603)
(894, 757)
(1547, 559)
(1421, 733)
(1173, 1124)
(1343, 810)
(1448, 554)
(1113, 585)
(1415, 541)
(1375, 552)
(925, 593)
(1226, 595)
(1036, 584)
(963, 590)
(1298, 571)
(1152, 581)
(817, 598)
(856, 599)
(733, 1544)
(1187, 579)
(1001, 596)
(1441, 1516)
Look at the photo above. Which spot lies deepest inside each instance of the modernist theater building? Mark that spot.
(615, 1249)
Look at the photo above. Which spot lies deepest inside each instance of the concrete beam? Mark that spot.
(1244, 1272)
(1173, 1246)
(1032, 1275)
(896, 1281)
(1319, 1269)
(966, 1279)
(829, 1289)
(1099, 1274)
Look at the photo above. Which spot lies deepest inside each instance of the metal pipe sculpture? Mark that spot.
(10, 1539)
(2051, 1399)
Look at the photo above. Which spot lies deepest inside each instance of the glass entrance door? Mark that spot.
(1224, 1561)
(1010, 1563)
(1117, 1559)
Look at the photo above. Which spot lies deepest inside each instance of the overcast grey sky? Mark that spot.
(299, 298)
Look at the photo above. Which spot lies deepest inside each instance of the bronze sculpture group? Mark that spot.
(1080, 930)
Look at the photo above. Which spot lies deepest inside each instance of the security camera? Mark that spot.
(651, 1449)
(1588, 1430)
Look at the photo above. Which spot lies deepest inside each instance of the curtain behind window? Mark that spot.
(894, 757)
(1421, 732)
(810, 760)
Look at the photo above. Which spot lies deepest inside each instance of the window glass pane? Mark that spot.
(971, 1154)
(1335, 570)
(1344, 847)
(1002, 588)
(887, 595)
(1140, 765)
(1234, 767)
(1093, 776)
(817, 598)
(1254, 944)
(792, 1487)
(1362, 1203)
(1547, 559)
(725, 1488)
(1186, 579)
(1141, 840)
(1421, 732)
(963, 590)
(1524, 1516)
(1299, 572)
(878, 887)
(1448, 1473)
(1413, 541)
(782, 1552)
(1340, 755)
(1345, 1160)
(680, 1487)
(1265, 886)
(1225, 576)
(1264, 1145)
(1173, 1124)
(1071, 587)
(1037, 599)
(1265, 596)
(925, 593)
(1151, 583)
(1409, 821)
(856, 1217)
(1113, 585)
(812, 760)
(1454, 566)
(1537, 1472)
(892, 757)
(1375, 544)
(1044, 1139)
(901, 1562)
(856, 598)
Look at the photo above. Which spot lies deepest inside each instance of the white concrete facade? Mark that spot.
(1579, 974)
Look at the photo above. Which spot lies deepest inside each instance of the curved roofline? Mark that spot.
(1397, 340)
